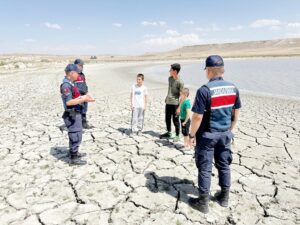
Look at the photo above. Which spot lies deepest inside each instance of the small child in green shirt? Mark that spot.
(185, 112)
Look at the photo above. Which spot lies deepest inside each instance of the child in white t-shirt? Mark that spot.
(138, 102)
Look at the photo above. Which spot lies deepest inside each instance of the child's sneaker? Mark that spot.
(176, 138)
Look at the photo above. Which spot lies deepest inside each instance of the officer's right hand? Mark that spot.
(88, 98)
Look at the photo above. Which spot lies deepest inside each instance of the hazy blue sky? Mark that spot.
(138, 26)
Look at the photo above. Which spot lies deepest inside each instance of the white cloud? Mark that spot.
(211, 28)
(53, 26)
(293, 25)
(162, 23)
(265, 23)
(275, 28)
(150, 35)
(293, 35)
(30, 40)
(172, 32)
(117, 25)
(174, 41)
(189, 22)
(153, 23)
(235, 28)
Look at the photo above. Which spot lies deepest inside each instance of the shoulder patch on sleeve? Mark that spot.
(66, 89)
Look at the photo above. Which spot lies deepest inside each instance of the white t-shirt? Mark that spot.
(138, 96)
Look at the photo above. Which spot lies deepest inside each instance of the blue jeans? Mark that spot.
(213, 145)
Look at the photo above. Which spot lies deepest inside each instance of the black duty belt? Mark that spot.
(70, 113)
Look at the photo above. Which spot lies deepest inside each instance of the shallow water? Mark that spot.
(275, 76)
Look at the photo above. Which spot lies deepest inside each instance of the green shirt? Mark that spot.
(175, 87)
(186, 104)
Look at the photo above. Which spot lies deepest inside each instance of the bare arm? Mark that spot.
(131, 100)
(79, 100)
(188, 113)
(196, 122)
(146, 101)
(235, 119)
(179, 106)
(180, 102)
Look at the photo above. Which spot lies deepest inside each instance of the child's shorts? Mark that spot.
(185, 129)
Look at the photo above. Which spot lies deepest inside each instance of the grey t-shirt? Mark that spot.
(175, 87)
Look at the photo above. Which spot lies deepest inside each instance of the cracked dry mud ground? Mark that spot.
(140, 179)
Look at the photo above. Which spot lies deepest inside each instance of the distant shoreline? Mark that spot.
(130, 69)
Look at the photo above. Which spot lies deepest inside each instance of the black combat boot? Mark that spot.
(200, 203)
(77, 155)
(75, 159)
(85, 124)
(222, 197)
